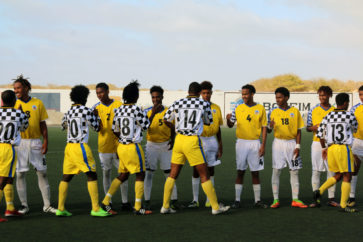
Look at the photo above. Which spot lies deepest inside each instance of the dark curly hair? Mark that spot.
(79, 94)
(131, 92)
(284, 91)
(23, 81)
(206, 85)
(8, 98)
(158, 89)
(326, 89)
(251, 88)
(103, 86)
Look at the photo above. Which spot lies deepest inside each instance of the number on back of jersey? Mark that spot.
(8, 130)
(74, 128)
(337, 132)
(189, 118)
(126, 126)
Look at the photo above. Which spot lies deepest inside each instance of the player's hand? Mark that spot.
(20, 108)
(324, 154)
(315, 128)
(261, 152)
(95, 112)
(296, 153)
(229, 116)
(100, 125)
(272, 124)
(44, 148)
(220, 151)
(171, 144)
(157, 108)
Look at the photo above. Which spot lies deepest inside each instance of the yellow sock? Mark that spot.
(330, 182)
(211, 194)
(168, 189)
(139, 191)
(9, 197)
(63, 188)
(112, 190)
(344, 194)
(93, 193)
(1, 195)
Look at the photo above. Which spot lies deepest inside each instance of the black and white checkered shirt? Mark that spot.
(190, 114)
(76, 120)
(12, 121)
(129, 121)
(338, 127)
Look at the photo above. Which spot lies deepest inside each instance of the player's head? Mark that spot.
(194, 89)
(131, 92)
(8, 97)
(360, 92)
(102, 91)
(79, 94)
(22, 87)
(206, 92)
(248, 91)
(282, 94)
(157, 94)
(342, 101)
(325, 92)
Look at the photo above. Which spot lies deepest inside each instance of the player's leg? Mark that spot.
(238, 186)
(62, 195)
(195, 187)
(169, 186)
(106, 165)
(3, 182)
(93, 192)
(357, 158)
(278, 163)
(210, 146)
(124, 187)
(242, 151)
(211, 177)
(139, 191)
(151, 158)
(22, 167)
(122, 177)
(317, 167)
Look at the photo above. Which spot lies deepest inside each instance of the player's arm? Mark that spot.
(94, 121)
(44, 132)
(229, 122)
(220, 144)
(172, 134)
(261, 152)
(298, 141)
(155, 109)
(169, 117)
(143, 120)
(320, 135)
(270, 122)
(309, 125)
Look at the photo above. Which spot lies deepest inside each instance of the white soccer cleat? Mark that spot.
(23, 209)
(49, 209)
(222, 209)
(167, 210)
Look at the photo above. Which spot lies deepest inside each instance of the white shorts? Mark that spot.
(318, 164)
(108, 159)
(247, 155)
(30, 151)
(210, 147)
(357, 148)
(157, 152)
(282, 154)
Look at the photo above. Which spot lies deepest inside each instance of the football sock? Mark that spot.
(106, 180)
(125, 191)
(331, 190)
(9, 197)
(212, 180)
(1, 195)
(44, 187)
(353, 185)
(330, 182)
(344, 194)
(93, 193)
(168, 189)
(148, 184)
(294, 181)
(63, 188)
(139, 191)
(257, 192)
(211, 194)
(275, 181)
(174, 194)
(21, 188)
(315, 180)
(113, 188)
(238, 190)
(195, 185)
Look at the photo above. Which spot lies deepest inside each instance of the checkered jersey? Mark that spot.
(190, 114)
(76, 120)
(129, 121)
(12, 121)
(338, 127)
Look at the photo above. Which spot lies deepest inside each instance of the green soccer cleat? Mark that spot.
(349, 210)
(63, 213)
(275, 204)
(207, 204)
(100, 213)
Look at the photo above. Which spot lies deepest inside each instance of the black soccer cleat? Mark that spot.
(316, 197)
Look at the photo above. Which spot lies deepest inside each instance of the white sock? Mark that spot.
(44, 187)
(257, 192)
(331, 190)
(106, 179)
(174, 194)
(294, 181)
(148, 184)
(195, 186)
(21, 187)
(238, 190)
(315, 180)
(353, 185)
(212, 180)
(275, 181)
(124, 191)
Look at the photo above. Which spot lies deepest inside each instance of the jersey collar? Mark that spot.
(191, 96)
(285, 109)
(108, 104)
(249, 105)
(324, 108)
(30, 98)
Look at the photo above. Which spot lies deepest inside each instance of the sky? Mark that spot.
(172, 43)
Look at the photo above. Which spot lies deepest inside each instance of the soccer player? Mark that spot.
(336, 136)
(212, 147)
(357, 147)
(107, 141)
(189, 114)
(160, 141)
(315, 116)
(251, 123)
(31, 149)
(77, 154)
(287, 123)
(12, 121)
(128, 124)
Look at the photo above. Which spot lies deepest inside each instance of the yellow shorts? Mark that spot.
(132, 158)
(188, 148)
(7, 160)
(340, 158)
(78, 158)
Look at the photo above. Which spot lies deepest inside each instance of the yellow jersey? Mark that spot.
(36, 113)
(107, 140)
(316, 115)
(158, 132)
(212, 129)
(287, 122)
(250, 120)
(357, 111)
